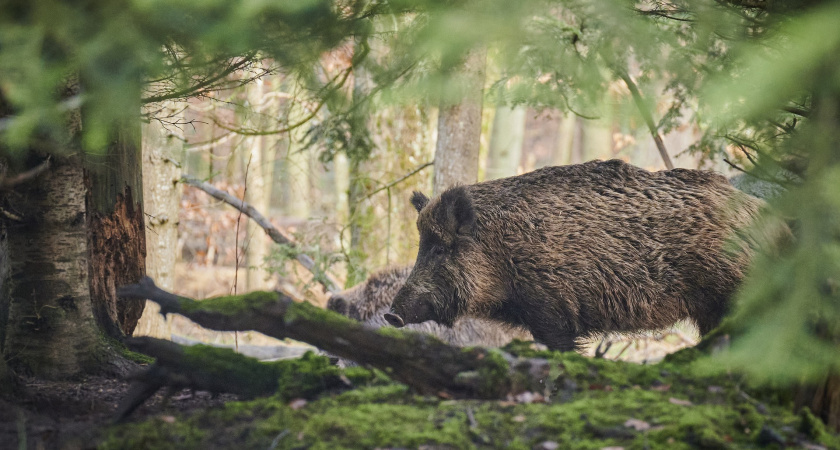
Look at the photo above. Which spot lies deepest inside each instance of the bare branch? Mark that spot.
(401, 179)
(797, 110)
(205, 85)
(310, 116)
(326, 280)
(7, 183)
(647, 116)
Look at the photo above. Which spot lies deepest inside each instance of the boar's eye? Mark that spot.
(437, 250)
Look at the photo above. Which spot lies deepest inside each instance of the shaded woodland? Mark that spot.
(257, 160)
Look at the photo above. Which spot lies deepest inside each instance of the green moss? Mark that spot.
(306, 376)
(813, 427)
(231, 304)
(154, 433)
(120, 349)
(493, 373)
(360, 376)
(674, 407)
(313, 313)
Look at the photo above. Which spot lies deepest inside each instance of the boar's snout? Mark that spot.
(402, 312)
(338, 304)
(395, 320)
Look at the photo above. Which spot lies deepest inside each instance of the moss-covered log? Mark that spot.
(218, 370)
(421, 361)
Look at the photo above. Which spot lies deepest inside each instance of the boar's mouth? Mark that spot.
(395, 320)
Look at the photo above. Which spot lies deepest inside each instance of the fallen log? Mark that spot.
(420, 361)
(222, 370)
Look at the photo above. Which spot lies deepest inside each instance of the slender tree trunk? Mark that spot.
(258, 193)
(162, 151)
(6, 378)
(565, 140)
(296, 167)
(459, 131)
(506, 142)
(578, 153)
(357, 155)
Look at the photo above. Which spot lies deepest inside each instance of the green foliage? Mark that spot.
(56, 57)
(786, 326)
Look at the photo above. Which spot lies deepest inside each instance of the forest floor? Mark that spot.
(74, 414)
(587, 403)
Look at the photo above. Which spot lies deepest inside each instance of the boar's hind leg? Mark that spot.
(709, 317)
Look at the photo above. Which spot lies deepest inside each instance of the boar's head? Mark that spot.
(436, 288)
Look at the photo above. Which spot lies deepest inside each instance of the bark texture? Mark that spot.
(6, 379)
(161, 198)
(117, 240)
(51, 330)
(459, 131)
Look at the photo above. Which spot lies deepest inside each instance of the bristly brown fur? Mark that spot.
(368, 301)
(574, 251)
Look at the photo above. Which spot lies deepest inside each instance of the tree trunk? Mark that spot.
(6, 378)
(116, 231)
(51, 328)
(459, 131)
(258, 192)
(565, 140)
(506, 142)
(162, 151)
(80, 236)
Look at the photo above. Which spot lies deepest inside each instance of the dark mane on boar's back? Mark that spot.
(574, 251)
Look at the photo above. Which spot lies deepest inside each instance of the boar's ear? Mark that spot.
(419, 200)
(460, 214)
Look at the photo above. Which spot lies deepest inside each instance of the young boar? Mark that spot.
(575, 251)
(368, 301)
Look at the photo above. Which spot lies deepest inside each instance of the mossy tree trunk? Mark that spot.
(6, 378)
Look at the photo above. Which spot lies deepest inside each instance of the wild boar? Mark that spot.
(576, 251)
(368, 301)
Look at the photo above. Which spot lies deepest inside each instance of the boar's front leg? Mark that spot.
(555, 337)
